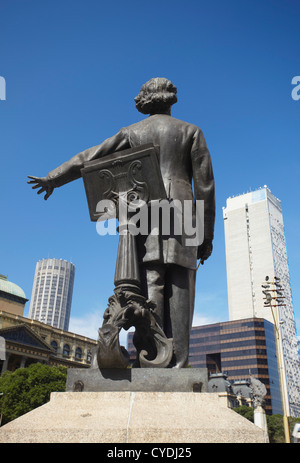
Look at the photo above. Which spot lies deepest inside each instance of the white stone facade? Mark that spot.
(255, 247)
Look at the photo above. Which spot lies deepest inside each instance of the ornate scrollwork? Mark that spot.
(139, 188)
(132, 190)
(259, 392)
(127, 309)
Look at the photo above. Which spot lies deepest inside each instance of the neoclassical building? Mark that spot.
(27, 341)
(24, 341)
(12, 297)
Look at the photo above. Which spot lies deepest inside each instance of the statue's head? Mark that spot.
(156, 96)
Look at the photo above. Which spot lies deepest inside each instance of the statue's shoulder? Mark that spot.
(160, 119)
(191, 130)
(188, 125)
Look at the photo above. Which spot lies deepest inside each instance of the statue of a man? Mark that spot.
(167, 265)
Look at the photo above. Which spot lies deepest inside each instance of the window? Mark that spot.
(89, 356)
(54, 345)
(78, 353)
(66, 350)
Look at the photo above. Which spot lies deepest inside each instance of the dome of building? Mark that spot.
(11, 288)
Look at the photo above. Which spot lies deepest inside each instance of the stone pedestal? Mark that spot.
(132, 417)
(260, 419)
(137, 380)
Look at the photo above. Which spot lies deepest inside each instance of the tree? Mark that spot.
(274, 423)
(276, 428)
(246, 412)
(29, 388)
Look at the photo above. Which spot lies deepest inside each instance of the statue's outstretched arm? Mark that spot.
(71, 170)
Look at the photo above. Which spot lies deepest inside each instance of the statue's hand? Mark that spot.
(205, 250)
(43, 183)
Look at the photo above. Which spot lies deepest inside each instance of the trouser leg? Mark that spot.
(180, 291)
(172, 289)
(153, 283)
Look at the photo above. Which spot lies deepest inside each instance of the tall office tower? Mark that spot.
(52, 292)
(255, 248)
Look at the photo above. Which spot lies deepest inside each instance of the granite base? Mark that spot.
(132, 417)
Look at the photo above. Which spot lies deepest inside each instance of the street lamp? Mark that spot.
(274, 299)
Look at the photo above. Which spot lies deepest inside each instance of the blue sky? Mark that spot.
(72, 69)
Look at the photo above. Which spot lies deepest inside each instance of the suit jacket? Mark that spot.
(184, 158)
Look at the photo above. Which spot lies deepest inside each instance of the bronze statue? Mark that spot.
(167, 266)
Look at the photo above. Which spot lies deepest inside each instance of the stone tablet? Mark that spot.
(133, 175)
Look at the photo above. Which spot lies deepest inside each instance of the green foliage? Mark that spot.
(292, 422)
(28, 388)
(246, 412)
(274, 423)
(276, 428)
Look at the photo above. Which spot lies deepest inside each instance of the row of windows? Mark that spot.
(47, 287)
(198, 358)
(48, 290)
(247, 342)
(67, 351)
(246, 361)
(50, 303)
(232, 372)
(234, 347)
(56, 267)
(243, 334)
(243, 352)
(232, 354)
(225, 327)
(48, 278)
(44, 309)
(47, 283)
(238, 373)
(232, 362)
(212, 348)
(217, 339)
(47, 298)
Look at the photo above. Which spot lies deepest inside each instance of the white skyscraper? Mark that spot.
(52, 292)
(256, 248)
